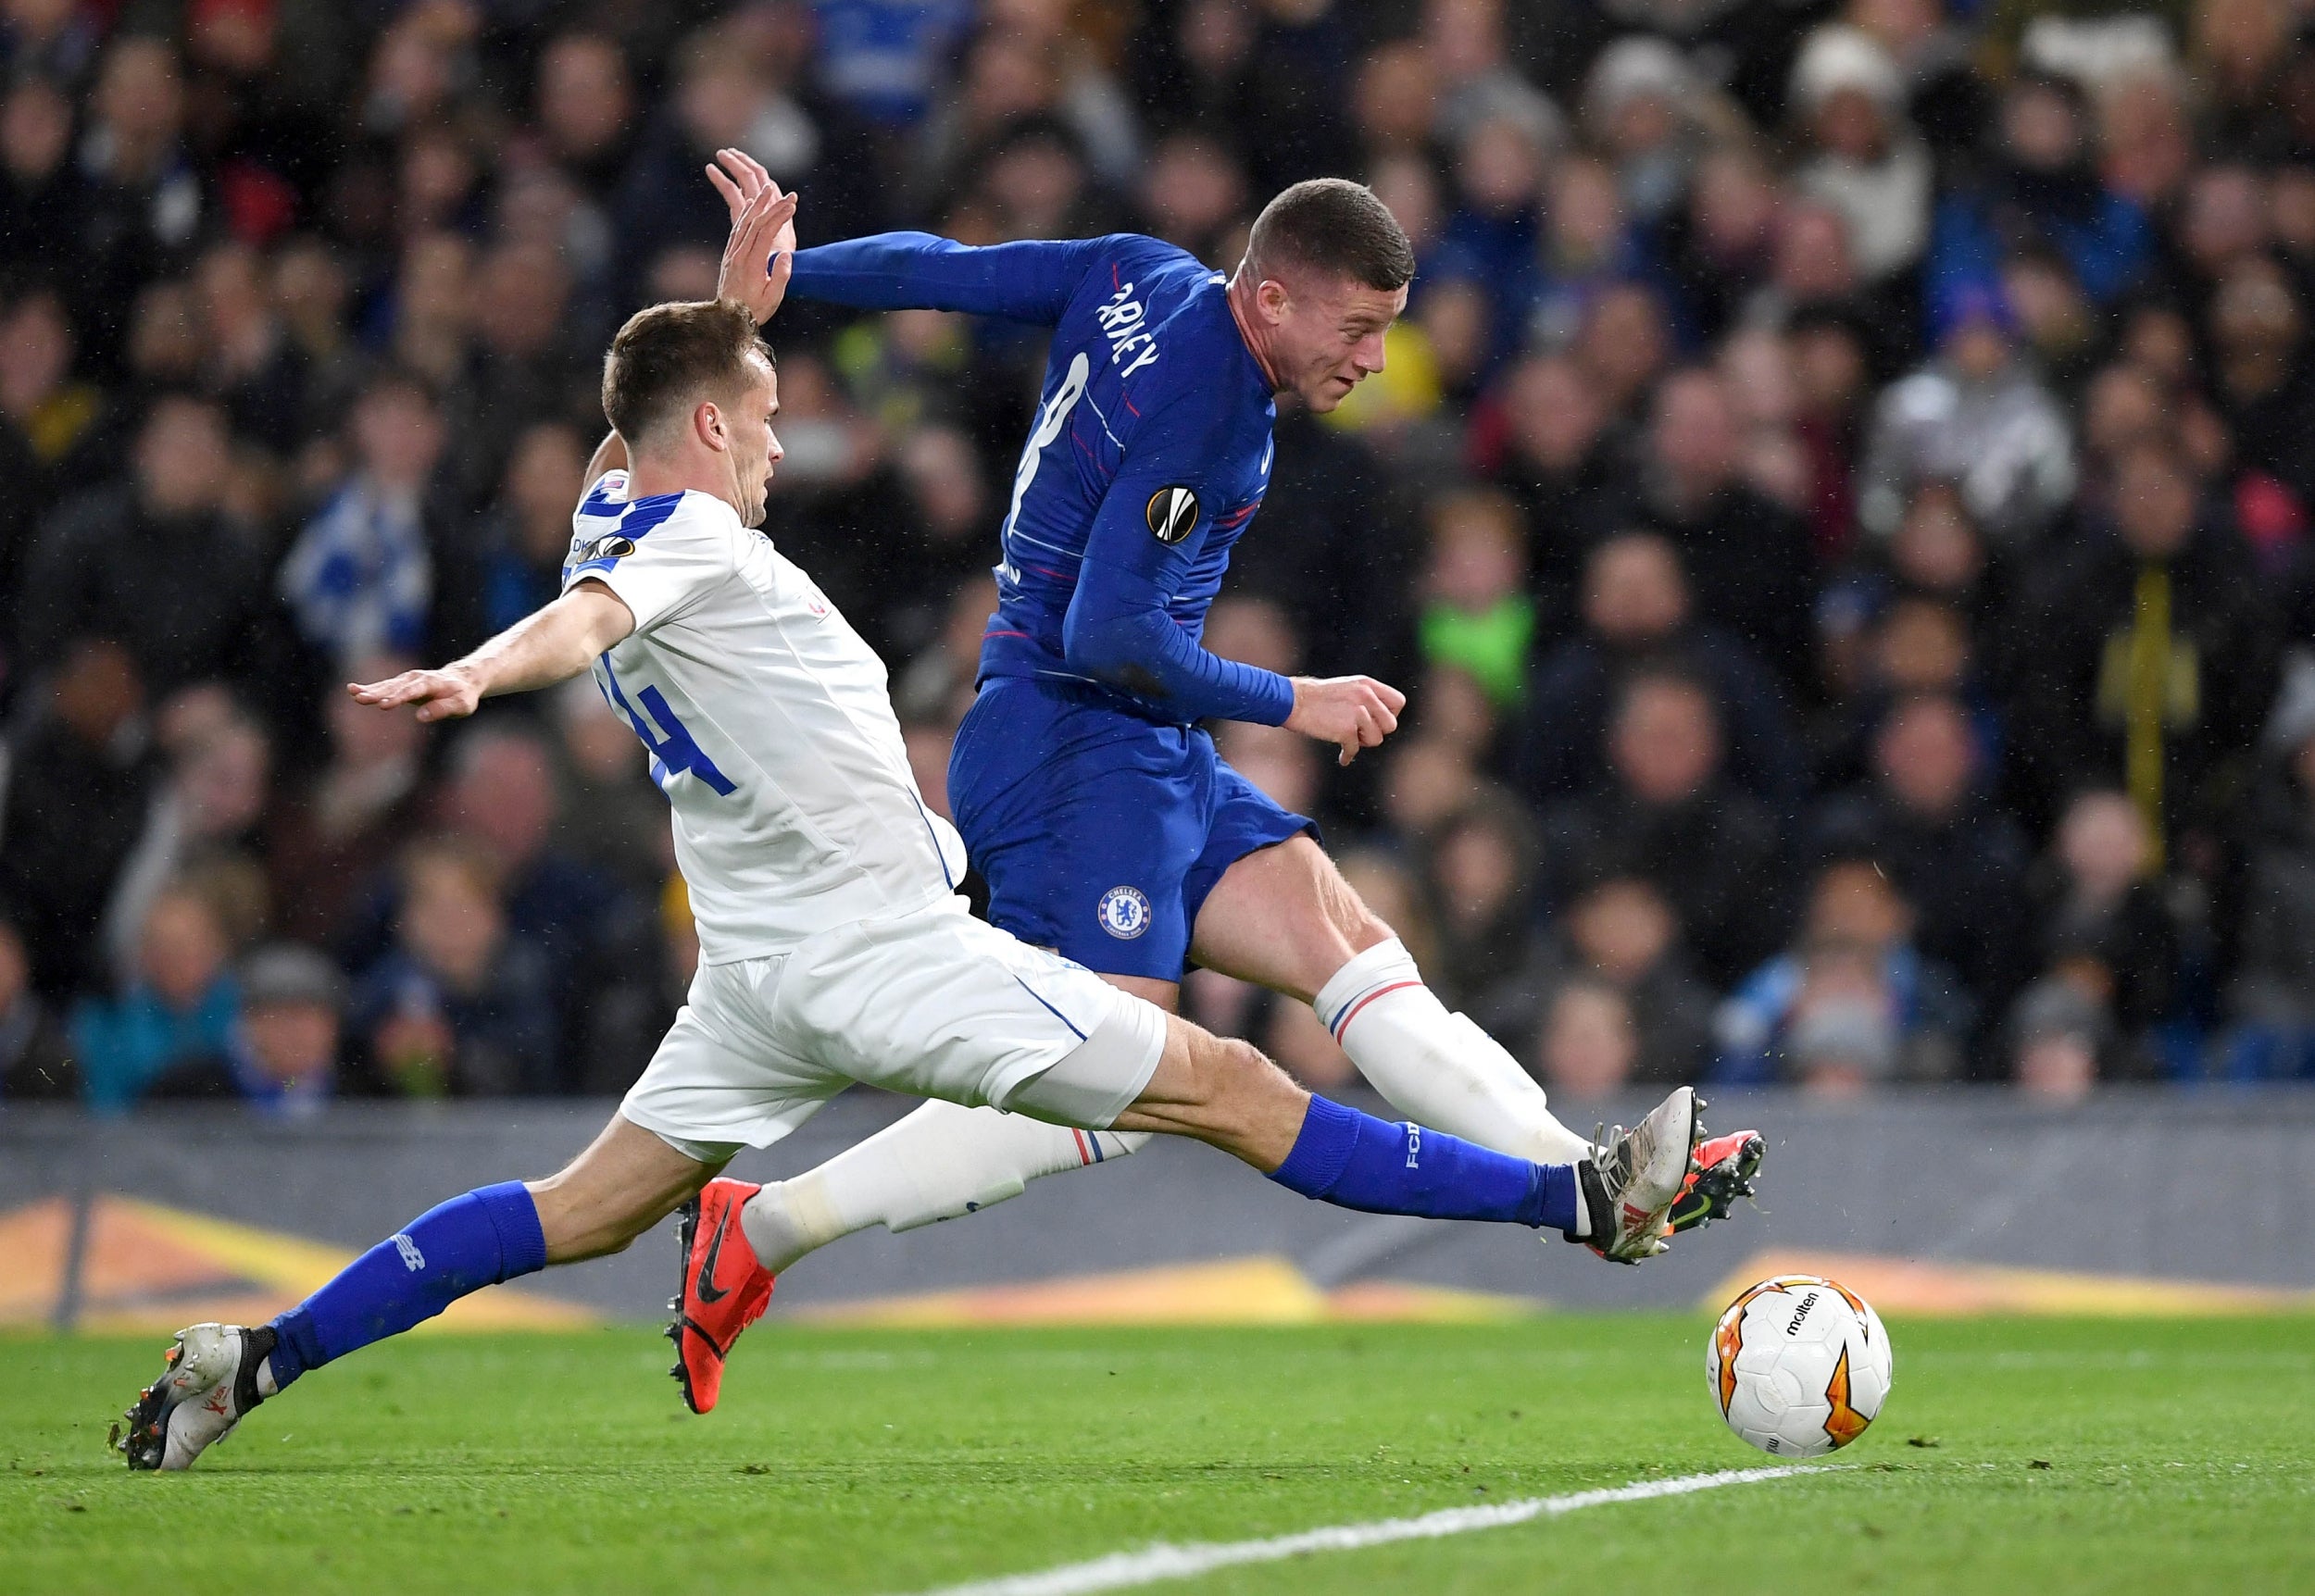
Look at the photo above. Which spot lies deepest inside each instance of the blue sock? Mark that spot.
(446, 1252)
(1353, 1160)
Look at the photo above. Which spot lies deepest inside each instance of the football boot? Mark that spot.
(209, 1384)
(1635, 1176)
(723, 1290)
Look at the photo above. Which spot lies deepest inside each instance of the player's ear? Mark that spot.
(707, 422)
(1272, 297)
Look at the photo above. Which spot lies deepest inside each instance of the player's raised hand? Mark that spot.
(760, 253)
(1353, 712)
(439, 694)
(739, 178)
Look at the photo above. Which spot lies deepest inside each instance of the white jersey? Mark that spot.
(770, 727)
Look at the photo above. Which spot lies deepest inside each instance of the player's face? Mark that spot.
(755, 449)
(1330, 339)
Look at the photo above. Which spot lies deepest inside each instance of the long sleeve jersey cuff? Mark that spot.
(1145, 653)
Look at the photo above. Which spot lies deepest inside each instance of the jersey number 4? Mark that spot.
(672, 747)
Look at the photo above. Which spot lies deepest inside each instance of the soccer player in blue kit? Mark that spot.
(1087, 795)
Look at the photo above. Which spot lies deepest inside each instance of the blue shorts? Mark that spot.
(1100, 833)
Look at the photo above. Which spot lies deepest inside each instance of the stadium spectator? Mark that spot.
(1869, 163)
(1480, 873)
(2103, 928)
(1589, 1044)
(2061, 1027)
(1853, 1005)
(1621, 933)
(1747, 556)
(1668, 814)
(112, 561)
(1544, 437)
(461, 1004)
(284, 1056)
(144, 204)
(611, 815)
(1636, 612)
(1476, 614)
(1976, 416)
(50, 424)
(2041, 188)
(1960, 862)
(201, 827)
(2146, 655)
(360, 577)
(585, 98)
(179, 1007)
(42, 197)
(502, 797)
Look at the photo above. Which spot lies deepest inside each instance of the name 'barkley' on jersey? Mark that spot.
(1150, 394)
(768, 725)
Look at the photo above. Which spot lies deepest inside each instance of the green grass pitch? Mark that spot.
(2064, 1455)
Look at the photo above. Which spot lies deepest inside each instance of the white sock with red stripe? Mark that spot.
(1438, 1068)
(939, 1163)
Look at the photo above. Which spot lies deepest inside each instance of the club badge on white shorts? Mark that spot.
(1123, 912)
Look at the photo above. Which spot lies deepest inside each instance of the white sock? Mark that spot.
(1438, 1068)
(940, 1163)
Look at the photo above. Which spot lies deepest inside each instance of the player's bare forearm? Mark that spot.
(551, 645)
(610, 456)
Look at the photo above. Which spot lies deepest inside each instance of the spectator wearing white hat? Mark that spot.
(1869, 164)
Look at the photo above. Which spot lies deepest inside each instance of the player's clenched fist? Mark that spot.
(439, 694)
(1352, 712)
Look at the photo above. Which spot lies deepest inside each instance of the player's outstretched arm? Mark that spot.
(551, 645)
(1027, 281)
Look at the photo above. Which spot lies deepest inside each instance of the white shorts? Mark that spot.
(932, 1003)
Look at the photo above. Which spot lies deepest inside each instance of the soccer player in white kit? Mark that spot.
(834, 947)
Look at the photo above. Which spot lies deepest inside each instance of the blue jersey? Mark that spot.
(1150, 454)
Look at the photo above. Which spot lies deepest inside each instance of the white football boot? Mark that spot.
(1636, 1175)
(210, 1383)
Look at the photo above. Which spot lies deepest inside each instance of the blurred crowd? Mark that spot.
(1839, 501)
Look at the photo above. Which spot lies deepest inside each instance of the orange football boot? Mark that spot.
(724, 1289)
(1723, 1172)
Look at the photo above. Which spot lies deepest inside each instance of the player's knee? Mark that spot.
(1346, 912)
(1227, 1069)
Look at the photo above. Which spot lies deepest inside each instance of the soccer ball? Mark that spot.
(1798, 1365)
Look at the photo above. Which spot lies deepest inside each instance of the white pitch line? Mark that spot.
(1124, 1570)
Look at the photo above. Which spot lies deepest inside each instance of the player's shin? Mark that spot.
(446, 1252)
(940, 1162)
(1437, 1068)
(1353, 1160)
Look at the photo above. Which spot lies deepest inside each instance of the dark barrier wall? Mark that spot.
(2215, 1187)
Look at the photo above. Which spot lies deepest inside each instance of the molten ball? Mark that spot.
(1798, 1365)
